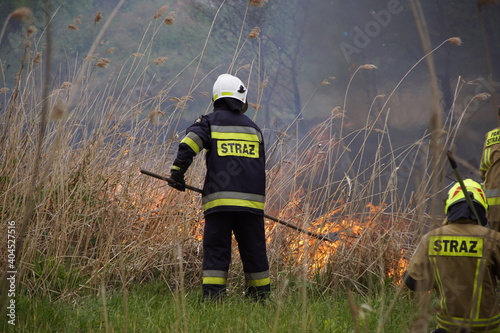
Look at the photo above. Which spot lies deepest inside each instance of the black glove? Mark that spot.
(178, 177)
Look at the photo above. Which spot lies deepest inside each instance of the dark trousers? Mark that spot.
(248, 230)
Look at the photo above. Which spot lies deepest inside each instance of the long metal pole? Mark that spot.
(453, 164)
(333, 237)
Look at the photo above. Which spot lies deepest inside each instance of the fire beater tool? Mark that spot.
(331, 237)
(453, 164)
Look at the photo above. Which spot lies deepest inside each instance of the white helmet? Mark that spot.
(229, 86)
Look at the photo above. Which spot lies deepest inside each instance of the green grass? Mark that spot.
(153, 308)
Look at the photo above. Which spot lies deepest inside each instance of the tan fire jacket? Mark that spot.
(490, 173)
(461, 260)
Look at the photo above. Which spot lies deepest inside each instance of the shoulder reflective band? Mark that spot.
(246, 133)
(238, 148)
(456, 246)
(493, 137)
(193, 141)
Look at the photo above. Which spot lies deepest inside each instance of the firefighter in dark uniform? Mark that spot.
(234, 188)
(490, 174)
(461, 261)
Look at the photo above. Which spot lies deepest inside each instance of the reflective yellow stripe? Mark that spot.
(486, 160)
(231, 131)
(447, 321)
(175, 167)
(492, 197)
(493, 201)
(214, 280)
(477, 289)
(456, 246)
(228, 198)
(442, 301)
(192, 144)
(235, 136)
(257, 279)
(224, 93)
(233, 202)
(259, 283)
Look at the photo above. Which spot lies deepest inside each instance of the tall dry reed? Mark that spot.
(99, 223)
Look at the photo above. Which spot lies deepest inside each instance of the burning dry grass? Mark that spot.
(99, 219)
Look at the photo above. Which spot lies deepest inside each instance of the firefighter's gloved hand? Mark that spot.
(178, 177)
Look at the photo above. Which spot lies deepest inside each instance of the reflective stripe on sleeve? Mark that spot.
(493, 201)
(492, 197)
(193, 141)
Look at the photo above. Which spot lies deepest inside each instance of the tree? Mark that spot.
(275, 53)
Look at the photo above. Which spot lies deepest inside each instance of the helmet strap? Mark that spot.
(244, 108)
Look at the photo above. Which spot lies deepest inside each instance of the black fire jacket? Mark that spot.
(235, 160)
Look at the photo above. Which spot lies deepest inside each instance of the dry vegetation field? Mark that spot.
(87, 221)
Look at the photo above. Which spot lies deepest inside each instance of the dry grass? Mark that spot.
(170, 19)
(257, 3)
(99, 222)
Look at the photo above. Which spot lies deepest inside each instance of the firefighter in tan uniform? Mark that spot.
(490, 174)
(461, 261)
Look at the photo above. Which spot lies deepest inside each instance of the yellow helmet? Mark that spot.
(455, 194)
